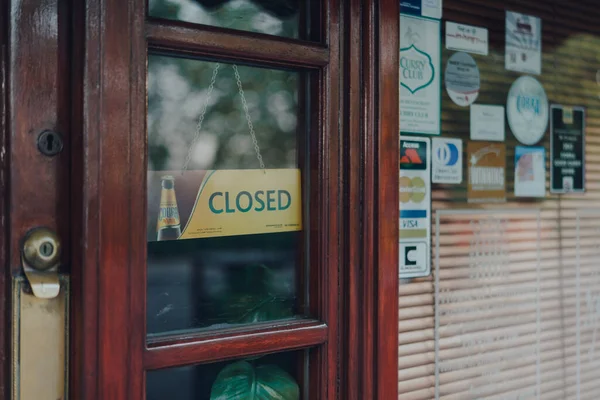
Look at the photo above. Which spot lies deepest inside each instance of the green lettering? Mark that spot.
(259, 200)
(237, 201)
(289, 199)
(227, 209)
(270, 200)
(211, 199)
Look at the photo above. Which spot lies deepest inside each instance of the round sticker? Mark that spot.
(527, 110)
(462, 79)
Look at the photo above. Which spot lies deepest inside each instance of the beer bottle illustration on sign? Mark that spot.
(168, 227)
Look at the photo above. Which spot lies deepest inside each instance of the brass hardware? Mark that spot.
(40, 344)
(41, 257)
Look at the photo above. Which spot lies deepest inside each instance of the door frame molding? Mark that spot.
(370, 106)
(5, 275)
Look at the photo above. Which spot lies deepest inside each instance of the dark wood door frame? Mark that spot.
(370, 106)
(4, 196)
(103, 124)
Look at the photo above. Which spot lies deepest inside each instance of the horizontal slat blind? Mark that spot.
(571, 59)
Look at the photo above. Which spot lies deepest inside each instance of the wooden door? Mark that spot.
(279, 116)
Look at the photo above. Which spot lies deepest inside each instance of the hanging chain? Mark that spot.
(201, 118)
(203, 114)
(250, 126)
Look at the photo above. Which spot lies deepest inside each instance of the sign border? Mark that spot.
(441, 88)
(429, 216)
(575, 108)
(471, 51)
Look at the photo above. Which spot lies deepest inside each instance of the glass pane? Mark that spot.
(511, 309)
(285, 373)
(288, 18)
(224, 224)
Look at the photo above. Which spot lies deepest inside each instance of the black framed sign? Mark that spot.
(567, 149)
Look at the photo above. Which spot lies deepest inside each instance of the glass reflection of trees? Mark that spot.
(272, 17)
(177, 91)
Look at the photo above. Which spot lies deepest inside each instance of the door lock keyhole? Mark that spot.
(46, 249)
(50, 143)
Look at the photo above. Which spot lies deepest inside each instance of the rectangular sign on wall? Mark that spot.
(567, 149)
(487, 172)
(446, 160)
(523, 43)
(415, 207)
(487, 122)
(422, 8)
(420, 94)
(530, 171)
(472, 39)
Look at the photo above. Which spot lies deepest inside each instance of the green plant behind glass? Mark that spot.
(243, 380)
(254, 296)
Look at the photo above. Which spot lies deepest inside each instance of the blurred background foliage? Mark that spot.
(272, 17)
(177, 92)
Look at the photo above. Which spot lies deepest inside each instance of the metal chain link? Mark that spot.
(250, 126)
(203, 114)
(201, 118)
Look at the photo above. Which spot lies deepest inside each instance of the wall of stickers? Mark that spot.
(507, 306)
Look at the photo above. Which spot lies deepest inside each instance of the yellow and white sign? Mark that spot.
(232, 202)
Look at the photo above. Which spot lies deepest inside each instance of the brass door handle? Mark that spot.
(40, 320)
(40, 256)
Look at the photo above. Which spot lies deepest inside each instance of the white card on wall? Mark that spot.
(432, 8)
(487, 123)
(530, 171)
(472, 39)
(523, 43)
(446, 161)
(422, 8)
(415, 207)
(420, 95)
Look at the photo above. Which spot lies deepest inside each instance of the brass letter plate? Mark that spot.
(40, 343)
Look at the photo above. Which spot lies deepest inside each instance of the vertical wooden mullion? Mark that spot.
(331, 186)
(4, 202)
(371, 198)
(353, 301)
(111, 164)
(385, 42)
(84, 321)
(86, 223)
(371, 115)
(138, 200)
(114, 200)
(371, 312)
(325, 216)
